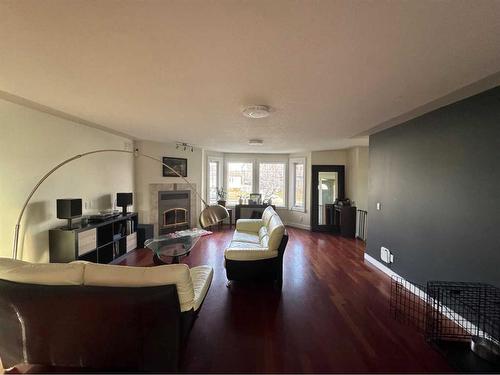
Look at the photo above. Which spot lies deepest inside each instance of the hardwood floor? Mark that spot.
(331, 316)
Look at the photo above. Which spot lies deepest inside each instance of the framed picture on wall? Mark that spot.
(178, 164)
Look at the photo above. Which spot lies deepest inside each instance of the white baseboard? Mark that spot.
(299, 226)
(380, 266)
(449, 313)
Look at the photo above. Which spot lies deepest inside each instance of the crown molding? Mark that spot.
(472, 89)
(60, 114)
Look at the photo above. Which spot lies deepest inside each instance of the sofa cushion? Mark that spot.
(244, 245)
(123, 276)
(262, 232)
(41, 273)
(202, 278)
(242, 236)
(267, 215)
(276, 229)
(249, 225)
(240, 252)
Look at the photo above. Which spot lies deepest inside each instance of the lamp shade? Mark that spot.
(211, 215)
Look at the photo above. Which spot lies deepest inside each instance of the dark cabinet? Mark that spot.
(344, 218)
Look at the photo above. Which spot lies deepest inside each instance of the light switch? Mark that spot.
(379, 206)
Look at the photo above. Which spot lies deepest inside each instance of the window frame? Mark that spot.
(291, 183)
(285, 178)
(220, 174)
(226, 169)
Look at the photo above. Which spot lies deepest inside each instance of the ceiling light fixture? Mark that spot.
(255, 142)
(256, 111)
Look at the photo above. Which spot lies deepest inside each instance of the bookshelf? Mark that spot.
(98, 242)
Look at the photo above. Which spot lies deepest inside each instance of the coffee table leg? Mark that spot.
(157, 260)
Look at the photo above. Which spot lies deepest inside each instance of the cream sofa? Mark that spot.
(256, 249)
(96, 316)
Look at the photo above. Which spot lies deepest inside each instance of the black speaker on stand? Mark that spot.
(124, 200)
(69, 209)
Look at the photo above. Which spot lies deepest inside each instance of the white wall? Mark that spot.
(357, 176)
(31, 143)
(330, 157)
(148, 172)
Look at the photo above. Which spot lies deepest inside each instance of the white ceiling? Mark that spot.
(181, 70)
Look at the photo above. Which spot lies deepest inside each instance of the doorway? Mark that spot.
(327, 186)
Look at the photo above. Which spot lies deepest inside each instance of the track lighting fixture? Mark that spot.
(184, 146)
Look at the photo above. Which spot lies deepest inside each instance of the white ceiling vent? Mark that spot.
(255, 142)
(256, 111)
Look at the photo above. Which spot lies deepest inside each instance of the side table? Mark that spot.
(230, 212)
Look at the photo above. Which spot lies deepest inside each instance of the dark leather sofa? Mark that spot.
(91, 328)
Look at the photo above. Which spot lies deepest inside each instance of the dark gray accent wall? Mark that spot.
(437, 178)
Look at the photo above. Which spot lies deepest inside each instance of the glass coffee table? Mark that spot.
(168, 247)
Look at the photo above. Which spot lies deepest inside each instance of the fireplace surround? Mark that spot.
(175, 197)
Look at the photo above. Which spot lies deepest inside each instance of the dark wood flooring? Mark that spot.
(331, 316)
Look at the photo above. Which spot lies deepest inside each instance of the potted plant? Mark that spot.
(221, 196)
(269, 197)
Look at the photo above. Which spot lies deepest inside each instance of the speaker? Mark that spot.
(69, 208)
(123, 200)
(144, 232)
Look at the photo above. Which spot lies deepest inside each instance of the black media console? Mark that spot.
(98, 242)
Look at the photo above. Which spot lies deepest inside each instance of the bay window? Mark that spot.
(280, 179)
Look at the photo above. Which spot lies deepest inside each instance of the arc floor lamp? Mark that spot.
(210, 215)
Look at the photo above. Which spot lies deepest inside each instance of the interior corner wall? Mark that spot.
(150, 172)
(437, 178)
(357, 176)
(33, 142)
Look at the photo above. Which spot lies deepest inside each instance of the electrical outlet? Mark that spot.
(386, 255)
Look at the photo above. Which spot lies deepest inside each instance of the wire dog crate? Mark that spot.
(451, 311)
(408, 303)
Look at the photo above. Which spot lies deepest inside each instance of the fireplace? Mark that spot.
(175, 217)
(174, 211)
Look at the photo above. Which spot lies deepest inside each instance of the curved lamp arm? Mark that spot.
(35, 188)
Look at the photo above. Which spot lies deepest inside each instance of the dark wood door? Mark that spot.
(327, 185)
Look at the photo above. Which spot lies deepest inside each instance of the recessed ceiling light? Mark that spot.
(255, 142)
(256, 111)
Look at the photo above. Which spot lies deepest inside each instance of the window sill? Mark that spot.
(277, 207)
